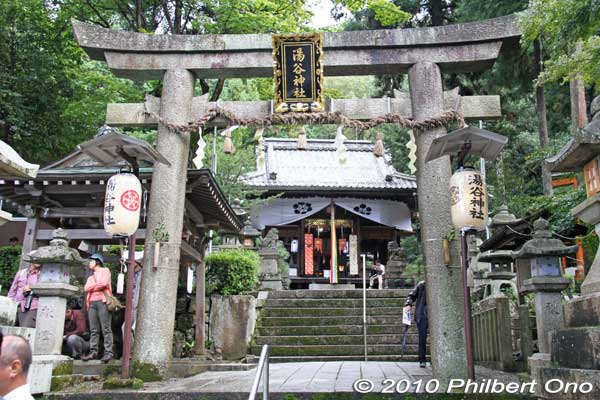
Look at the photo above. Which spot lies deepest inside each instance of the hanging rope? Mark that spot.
(335, 118)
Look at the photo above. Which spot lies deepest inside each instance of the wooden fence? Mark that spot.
(495, 333)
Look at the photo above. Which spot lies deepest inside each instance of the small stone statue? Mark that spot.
(270, 240)
(395, 252)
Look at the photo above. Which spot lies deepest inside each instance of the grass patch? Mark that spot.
(146, 372)
(117, 383)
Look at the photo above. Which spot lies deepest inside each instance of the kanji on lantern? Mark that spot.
(122, 204)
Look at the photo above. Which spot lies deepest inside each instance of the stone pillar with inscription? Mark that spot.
(53, 289)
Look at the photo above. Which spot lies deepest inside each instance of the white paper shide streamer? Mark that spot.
(341, 150)
(199, 150)
(412, 154)
(260, 149)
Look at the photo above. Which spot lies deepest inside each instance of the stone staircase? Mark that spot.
(327, 325)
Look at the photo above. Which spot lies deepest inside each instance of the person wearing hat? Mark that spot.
(97, 285)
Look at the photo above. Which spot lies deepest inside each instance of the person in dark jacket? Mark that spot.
(74, 344)
(417, 298)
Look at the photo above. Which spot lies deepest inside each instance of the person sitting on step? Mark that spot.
(377, 273)
(74, 343)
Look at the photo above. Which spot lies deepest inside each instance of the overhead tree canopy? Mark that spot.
(561, 24)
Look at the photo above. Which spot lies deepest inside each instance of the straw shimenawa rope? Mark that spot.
(335, 118)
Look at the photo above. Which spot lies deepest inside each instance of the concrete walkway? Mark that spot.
(301, 379)
(313, 377)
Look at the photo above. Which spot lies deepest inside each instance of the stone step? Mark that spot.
(335, 303)
(371, 357)
(95, 367)
(331, 330)
(314, 321)
(343, 294)
(324, 312)
(334, 340)
(336, 350)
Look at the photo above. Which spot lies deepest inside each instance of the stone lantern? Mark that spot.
(501, 264)
(545, 279)
(249, 235)
(582, 153)
(231, 239)
(500, 260)
(574, 349)
(53, 289)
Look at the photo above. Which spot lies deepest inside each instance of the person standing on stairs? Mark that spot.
(417, 298)
(96, 288)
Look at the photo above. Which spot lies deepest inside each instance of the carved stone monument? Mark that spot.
(53, 289)
(268, 273)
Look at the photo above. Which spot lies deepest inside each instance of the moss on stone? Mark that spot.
(59, 382)
(146, 372)
(111, 370)
(118, 383)
(63, 368)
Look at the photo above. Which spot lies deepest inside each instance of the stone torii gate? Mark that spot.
(423, 53)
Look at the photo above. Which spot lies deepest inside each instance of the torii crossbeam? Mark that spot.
(423, 53)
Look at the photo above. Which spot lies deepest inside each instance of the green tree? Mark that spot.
(51, 98)
(561, 24)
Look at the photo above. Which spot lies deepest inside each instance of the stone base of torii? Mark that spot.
(423, 53)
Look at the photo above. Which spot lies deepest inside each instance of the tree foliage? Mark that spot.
(9, 265)
(386, 12)
(232, 272)
(561, 24)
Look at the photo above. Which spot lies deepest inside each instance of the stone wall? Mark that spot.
(185, 324)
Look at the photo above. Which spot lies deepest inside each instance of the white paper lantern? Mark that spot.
(122, 204)
(468, 196)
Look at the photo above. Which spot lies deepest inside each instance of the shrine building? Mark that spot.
(330, 212)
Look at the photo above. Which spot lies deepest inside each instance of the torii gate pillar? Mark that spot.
(443, 284)
(154, 336)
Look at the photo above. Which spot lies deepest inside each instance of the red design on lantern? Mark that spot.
(130, 199)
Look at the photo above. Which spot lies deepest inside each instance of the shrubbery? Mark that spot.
(9, 264)
(232, 272)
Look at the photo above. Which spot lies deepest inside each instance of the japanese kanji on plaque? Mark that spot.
(298, 72)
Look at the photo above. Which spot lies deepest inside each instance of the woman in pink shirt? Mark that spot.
(100, 318)
(20, 292)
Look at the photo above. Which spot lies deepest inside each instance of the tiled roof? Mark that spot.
(317, 167)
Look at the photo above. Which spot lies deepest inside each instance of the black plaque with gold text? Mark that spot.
(298, 72)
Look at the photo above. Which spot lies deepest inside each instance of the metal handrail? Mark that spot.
(262, 369)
